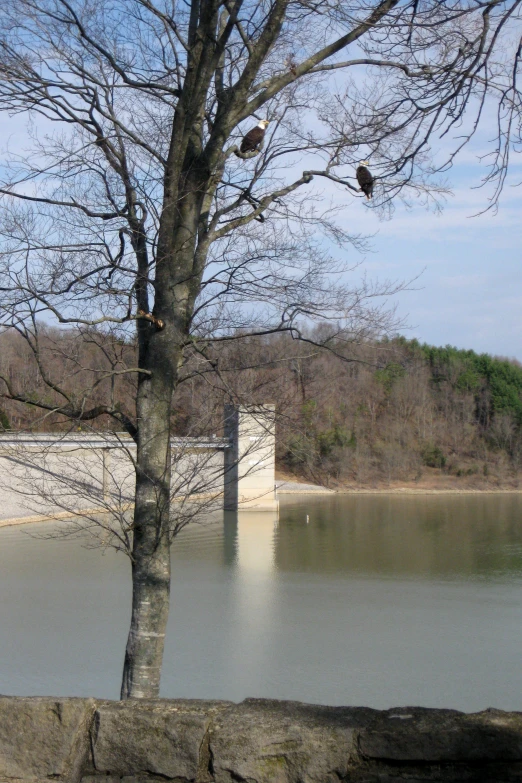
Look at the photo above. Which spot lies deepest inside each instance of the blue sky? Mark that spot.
(469, 293)
(470, 290)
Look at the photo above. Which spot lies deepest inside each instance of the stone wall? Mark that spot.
(257, 741)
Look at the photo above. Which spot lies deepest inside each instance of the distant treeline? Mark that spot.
(411, 408)
(425, 407)
(388, 410)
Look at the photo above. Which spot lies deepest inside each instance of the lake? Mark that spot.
(377, 600)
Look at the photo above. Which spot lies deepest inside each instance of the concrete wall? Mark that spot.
(257, 741)
(45, 474)
(250, 462)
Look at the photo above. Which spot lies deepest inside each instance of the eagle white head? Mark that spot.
(364, 163)
(263, 124)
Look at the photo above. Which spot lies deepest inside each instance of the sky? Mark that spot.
(466, 267)
(468, 287)
(469, 293)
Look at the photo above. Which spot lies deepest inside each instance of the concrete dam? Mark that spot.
(55, 474)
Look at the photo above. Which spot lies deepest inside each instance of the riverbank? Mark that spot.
(430, 485)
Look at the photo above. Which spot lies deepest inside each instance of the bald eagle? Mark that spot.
(254, 138)
(365, 179)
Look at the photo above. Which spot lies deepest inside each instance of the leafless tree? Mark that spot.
(135, 206)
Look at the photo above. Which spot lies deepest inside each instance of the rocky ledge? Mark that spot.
(257, 741)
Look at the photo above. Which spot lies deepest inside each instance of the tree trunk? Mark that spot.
(150, 611)
(151, 547)
(176, 286)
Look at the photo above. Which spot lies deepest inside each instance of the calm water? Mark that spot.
(377, 600)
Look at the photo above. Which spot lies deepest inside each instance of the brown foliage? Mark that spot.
(359, 414)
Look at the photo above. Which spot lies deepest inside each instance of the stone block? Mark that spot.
(428, 735)
(269, 741)
(100, 779)
(165, 738)
(43, 737)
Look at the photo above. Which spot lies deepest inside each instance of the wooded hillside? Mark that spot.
(381, 412)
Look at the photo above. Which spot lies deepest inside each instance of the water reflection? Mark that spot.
(255, 595)
(255, 546)
(413, 536)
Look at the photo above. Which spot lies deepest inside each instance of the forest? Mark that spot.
(372, 413)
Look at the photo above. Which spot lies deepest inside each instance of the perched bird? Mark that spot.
(291, 64)
(365, 179)
(254, 138)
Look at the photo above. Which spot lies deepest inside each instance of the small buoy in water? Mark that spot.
(307, 519)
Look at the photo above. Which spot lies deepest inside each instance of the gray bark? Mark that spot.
(150, 610)
(177, 284)
(151, 541)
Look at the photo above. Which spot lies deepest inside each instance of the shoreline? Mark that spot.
(413, 491)
(398, 491)
(289, 486)
(308, 489)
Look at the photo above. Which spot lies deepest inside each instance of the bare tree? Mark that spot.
(135, 205)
